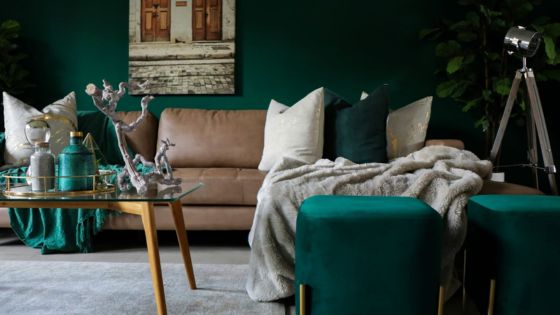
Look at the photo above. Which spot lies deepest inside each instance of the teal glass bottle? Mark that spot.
(75, 160)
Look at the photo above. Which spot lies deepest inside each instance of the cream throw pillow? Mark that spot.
(295, 131)
(407, 127)
(60, 115)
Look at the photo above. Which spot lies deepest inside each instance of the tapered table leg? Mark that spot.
(150, 229)
(177, 210)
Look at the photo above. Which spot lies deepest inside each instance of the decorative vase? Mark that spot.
(41, 168)
(78, 162)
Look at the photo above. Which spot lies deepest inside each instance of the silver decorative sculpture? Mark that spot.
(106, 101)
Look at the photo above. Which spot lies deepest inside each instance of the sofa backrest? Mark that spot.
(143, 139)
(213, 138)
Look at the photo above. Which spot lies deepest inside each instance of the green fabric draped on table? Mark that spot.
(57, 230)
(67, 230)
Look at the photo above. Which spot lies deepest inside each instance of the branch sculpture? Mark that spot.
(106, 101)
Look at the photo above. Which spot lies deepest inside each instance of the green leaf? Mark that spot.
(550, 49)
(541, 77)
(460, 90)
(493, 56)
(541, 20)
(482, 123)
(552, 30)
(423, 34)
(11, 26)
(499, 22)
(467, 36)
(487, 95)
(502, 86)
(461, 25)
(445, 89)
(522, 104)
(473, 18)
(471, 104)
(469, 59)
(552, 74)
(448, 49)
(455, 64)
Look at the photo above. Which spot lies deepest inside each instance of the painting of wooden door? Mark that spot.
(155, 18)
(207, 19)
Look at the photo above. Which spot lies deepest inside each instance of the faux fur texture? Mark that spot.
(443, 177)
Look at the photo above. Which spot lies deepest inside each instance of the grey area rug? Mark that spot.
(31, 287)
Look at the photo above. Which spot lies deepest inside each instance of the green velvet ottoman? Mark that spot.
(367, 255)
(513, 247)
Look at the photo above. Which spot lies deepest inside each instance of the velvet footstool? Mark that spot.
(513, 254)
(367, 255)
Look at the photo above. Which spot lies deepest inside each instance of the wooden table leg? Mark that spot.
(150, 229)
(177, 210)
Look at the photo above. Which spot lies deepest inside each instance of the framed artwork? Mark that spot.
(182, 47)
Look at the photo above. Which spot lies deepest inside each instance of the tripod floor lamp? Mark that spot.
(525, 43)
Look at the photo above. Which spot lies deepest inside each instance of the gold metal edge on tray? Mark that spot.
(11, 189)
(11, 193)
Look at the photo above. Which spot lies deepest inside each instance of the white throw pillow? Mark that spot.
(407, 127)
(60, 115)
(295, 131)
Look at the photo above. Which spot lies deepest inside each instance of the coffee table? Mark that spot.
(132, 203)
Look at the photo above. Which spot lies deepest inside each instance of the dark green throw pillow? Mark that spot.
(356, 132)
(103, 131)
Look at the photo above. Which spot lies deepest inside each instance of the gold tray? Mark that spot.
(19, 186)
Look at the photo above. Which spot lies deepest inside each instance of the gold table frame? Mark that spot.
(141, 207)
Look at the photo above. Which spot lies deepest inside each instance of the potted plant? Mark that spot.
(13, 76)
(475, 70)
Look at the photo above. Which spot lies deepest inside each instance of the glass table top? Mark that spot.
(163, 194)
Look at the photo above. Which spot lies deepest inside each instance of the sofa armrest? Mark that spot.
(455, 143)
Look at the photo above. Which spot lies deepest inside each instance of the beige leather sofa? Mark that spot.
(222, 149)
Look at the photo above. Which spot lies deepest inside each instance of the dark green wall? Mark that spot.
(284, 50)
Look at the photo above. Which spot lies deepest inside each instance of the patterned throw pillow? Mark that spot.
(60, 116)
(407, 127)
(295, 131)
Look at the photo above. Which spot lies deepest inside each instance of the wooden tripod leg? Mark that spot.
(532, 145)
(441, 300)
(149, 223)
(302, 298)
(492, 296)
(539, 120)
(177, 210)
(505, 116)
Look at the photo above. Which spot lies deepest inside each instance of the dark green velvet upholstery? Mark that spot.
(515, 240)
(356, 132)
(103, 131)
(368, 255)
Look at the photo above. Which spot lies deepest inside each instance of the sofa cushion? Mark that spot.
(213, 138)
(60, 116)
(143, 140)
(407, 128)
(294, 131)
(222, 186)
(356, 132)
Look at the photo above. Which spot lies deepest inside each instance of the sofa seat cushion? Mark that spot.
(503, 188)
(222, 186)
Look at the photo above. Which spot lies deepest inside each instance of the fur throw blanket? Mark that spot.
(443, 177)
